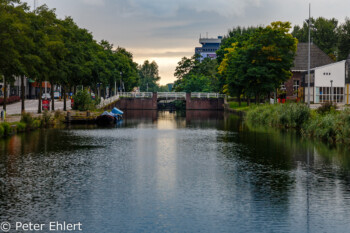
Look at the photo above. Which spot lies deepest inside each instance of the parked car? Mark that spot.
(46, 96)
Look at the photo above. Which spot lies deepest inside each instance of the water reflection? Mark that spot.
(175, 172)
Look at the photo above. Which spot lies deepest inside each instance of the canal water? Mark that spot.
(167, 172)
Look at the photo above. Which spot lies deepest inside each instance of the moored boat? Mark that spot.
(110, 118)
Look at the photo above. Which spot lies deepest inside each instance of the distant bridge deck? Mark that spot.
(170, 95)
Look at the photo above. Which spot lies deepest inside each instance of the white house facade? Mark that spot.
(329, 83)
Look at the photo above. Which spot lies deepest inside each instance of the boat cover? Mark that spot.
(117, 111)
(107, 113)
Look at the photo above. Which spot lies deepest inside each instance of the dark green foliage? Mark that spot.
(42, 47)
(180, 105)
(20, 127)
(327, 108)
(83, 101)
(2, 130)
(279, 115)
(27, 118)
(330, 37)
(149, 76)
(260, 63)
(46, 118)
(195, 76)
(344, 40)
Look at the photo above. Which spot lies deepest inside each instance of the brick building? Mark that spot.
(318, 58)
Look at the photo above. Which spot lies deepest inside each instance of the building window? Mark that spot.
(295, 87)
(325, 94)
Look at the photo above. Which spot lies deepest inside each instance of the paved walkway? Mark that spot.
(31, 106)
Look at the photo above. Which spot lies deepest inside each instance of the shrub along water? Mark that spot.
(28, 122)
(324, 123)
(83, 101)
(279, 115)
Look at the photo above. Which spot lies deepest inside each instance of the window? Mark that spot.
(326, 94)
(295, 87)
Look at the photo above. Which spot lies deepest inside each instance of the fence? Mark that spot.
(207, 95)
(172, 95)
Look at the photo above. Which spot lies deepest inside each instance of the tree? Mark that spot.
(11, 30)
(344, 39)
(191, 72)
(149, 76)
(323, 34)
(262, 62)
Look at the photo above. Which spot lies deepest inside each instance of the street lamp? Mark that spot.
(309, 58)
(120, 81)
(331, 91)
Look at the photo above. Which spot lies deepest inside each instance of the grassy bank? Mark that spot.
(324, 123)
(235, 106)
(28, 123)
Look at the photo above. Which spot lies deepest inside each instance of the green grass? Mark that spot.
(235, 106)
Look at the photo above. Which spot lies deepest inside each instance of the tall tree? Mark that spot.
(263, 61)
(323, 34)
(149, 76)
(344, 39)
(195, 76)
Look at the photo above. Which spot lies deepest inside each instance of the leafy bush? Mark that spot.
(2, 130)
(7, 128)
(21, 126)
(83, 101)
(323, 127)
(281, 115)
(36, 124)
(27, 118)
(180, 105)
(45, 119)
(327, 107)
(59, 115)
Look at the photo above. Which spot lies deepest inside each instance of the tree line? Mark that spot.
(330, 36)
(38, 45)
(255, 61)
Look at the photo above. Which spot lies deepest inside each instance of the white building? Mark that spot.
(328, 83)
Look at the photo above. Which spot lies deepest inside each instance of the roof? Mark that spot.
(318, 57)
(335, 63)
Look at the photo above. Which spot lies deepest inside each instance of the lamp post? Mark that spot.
(331, 91)
(309, 58)
(120, 83)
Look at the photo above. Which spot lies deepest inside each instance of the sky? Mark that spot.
(167, 30)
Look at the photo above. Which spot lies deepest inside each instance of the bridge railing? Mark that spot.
(136, 95)
(172, 95)
(105, 102)
(207, 95)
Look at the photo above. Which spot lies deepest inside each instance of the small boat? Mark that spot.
(110, 118)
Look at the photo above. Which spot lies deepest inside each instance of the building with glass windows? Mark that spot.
(209, 47)
(329, 83)
(294, 88)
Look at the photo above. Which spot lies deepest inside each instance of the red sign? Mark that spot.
(46, 104)
(72, 103)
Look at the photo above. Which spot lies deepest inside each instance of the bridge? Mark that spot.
(149, 100)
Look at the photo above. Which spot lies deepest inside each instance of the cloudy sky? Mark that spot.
(167, 30)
